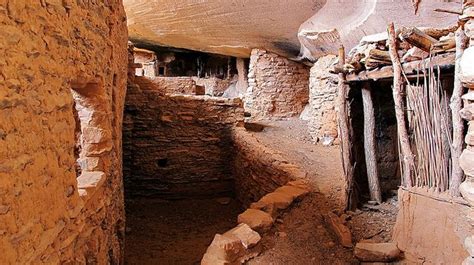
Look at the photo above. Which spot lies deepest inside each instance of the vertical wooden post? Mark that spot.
(344, 132)
(407, 158)
(457, 174)
(370, 145)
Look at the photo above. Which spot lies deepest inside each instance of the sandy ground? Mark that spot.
(163, 232)
(302, 237)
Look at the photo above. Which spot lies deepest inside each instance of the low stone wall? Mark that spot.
(258, 170)
(213, 86)
(147, 60)
(322, 123)
(175, 85)
(278, 87)
(178, 146)
(431, 229)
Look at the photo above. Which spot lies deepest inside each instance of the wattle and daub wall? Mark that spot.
(48, 49)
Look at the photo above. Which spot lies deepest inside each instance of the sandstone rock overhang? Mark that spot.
(347, 21)
(314, 27)
(228, 27)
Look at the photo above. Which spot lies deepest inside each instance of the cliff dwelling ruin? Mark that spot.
(237, 132)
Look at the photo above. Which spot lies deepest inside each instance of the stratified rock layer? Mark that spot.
(220, 26)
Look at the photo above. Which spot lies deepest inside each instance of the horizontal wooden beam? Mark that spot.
(411, 68)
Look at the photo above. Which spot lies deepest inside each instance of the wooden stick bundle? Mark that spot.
(431, 132)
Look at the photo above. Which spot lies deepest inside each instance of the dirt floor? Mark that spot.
(161, 232)
(178, 232)
(301, 235)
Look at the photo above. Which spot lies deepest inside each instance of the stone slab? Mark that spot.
(376, 252)
(256, 219)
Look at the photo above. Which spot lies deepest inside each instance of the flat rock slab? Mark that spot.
(342, 232)
(302, 184)
(294, 191)
(272, 202)
(377, 252)
(281, 198)
(256, 219)
(247, 236)
(224, 249)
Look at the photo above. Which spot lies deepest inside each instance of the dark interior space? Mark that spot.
(386, 132)
(386, 138)
(174, 62)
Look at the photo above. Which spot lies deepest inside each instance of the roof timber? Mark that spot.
(411, 69)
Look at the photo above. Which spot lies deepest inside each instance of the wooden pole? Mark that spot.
(407, 158)
(369, 145)
(457, 175)
(344, 132)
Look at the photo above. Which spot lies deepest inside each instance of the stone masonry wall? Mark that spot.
(466, 74)
(278, 88)
(175, 85)
(213, 86)
(147, 60)
(52, 211)
(178, 146)
(258, 169)
(322, 123)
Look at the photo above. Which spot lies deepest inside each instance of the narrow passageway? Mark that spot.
(323, 167)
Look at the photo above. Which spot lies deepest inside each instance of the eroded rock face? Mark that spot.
(221, 26)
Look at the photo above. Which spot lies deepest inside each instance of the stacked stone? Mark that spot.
(467, 78)
(322, 123)
(278, 87)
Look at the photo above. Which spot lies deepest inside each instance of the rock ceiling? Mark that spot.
(234, 27)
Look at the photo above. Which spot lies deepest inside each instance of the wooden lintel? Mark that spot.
(443, 61)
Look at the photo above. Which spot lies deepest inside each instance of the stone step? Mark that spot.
(376, 252)
(258, 220)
